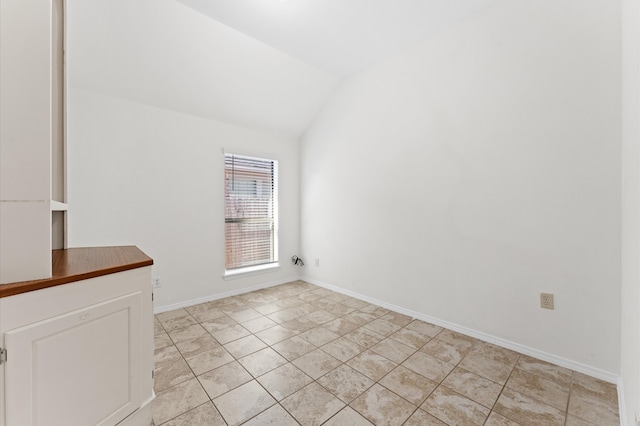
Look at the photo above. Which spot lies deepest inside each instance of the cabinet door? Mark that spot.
(81, 368)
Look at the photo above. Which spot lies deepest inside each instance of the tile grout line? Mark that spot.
(502, 390)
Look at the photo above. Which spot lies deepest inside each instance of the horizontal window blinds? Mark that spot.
(250, 203)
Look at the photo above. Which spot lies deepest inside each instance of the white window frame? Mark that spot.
(264, 267)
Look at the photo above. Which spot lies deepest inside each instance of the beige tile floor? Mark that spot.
(298, 354)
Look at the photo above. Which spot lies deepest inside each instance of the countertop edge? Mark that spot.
(76, 264)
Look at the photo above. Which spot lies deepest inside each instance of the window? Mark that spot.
(250, 211)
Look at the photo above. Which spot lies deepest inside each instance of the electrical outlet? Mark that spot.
(317, 262)
(546, 300)
(156, 283)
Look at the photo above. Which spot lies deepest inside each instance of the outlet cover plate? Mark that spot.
(546, 300)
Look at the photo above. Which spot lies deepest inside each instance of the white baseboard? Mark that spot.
(563, 362)
(622, 407)
(186, 303)
(142, 416)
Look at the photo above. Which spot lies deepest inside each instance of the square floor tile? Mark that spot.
(200, 307)
(354, 303)
(177, 400)
(342, 349)
(218, 323)
(161, 340)
(364, 337)
(398, 319)
(170, 315)
(319, 336)
(244, 315)
(383, 327)
(258, 324)
(445, 351)
(527, 411)
(544, 390)
(312, 405)
(411, 386)
(348, 416)
(422, 418)
(453, 408)
(230, 334)
(428, 366)
(284, 380)
(207, 315)
(474, 387)
(268, 308)
(243, 403)
(319, 317)
(382, 407)
(223, 379)
(410, 338)
(192, 332)
(424, 328)
(286, 315)
(316, 363)
(360, 318)
(487, 368)
(166, 355)
(275, 334)
(209, 359)
(372, 365)
(323, 303)
(179, 323)
(205, 414)
(465, 343)
(339, 309)
(262, 361)
(274, 416)
(393, 350)
(593, 400)
(346, 383)
(171, 374)
(544, 369)
(157, 327)
(299, 325)
(374, 310)
(244, 346)
(189, 348)
(293, 348)
(341, 326)
(496, 419)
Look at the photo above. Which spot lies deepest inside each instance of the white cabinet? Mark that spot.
(25, 140)
(81, 353)
(80, 368)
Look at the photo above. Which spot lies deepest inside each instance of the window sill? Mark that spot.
(250, 270)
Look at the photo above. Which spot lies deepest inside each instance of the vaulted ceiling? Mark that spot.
(265, 64)
(338, 36)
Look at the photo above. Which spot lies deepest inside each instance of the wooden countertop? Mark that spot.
(77, 264)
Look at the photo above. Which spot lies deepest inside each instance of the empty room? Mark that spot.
(319, 212)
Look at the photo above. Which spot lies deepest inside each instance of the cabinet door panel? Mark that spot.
(80, 368)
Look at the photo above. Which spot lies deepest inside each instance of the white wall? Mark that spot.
(630, 332)
(153, 178)
(156, 91)
(25, 140)
(477, 169)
